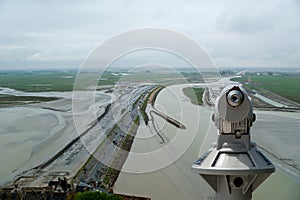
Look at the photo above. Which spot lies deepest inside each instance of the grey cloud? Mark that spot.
(234, 32)
(245, 24)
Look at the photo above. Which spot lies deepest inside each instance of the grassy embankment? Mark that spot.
(150, 98)
(285, 86)
(143, 109)
(154, 94)
(195, 94)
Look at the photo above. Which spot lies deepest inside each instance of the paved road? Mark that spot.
(72, 159)
(106, 155)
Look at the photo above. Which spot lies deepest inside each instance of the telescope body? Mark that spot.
(233, 166)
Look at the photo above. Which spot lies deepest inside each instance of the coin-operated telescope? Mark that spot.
(234, 167)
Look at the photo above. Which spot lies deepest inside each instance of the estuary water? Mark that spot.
(169, 174)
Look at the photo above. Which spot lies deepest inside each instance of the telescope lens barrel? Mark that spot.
(235, 98)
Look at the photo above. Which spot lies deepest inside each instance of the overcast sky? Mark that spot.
(60, 33)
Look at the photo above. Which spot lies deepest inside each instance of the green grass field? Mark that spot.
(46, 81)
(195, 94)
(63, 80)
(286, 86)
(7, 100)
(38, 81)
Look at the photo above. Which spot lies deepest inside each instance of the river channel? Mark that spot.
(163, 170)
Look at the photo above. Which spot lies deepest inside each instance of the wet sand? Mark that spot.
(278, 133)
(30, 135)
(175, 180)
(21, 129)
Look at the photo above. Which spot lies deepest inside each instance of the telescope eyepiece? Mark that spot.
(235, 98)
(233, 105)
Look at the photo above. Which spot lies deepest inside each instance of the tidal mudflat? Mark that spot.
(31, 134)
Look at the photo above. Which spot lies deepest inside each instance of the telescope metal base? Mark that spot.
(233, 174)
